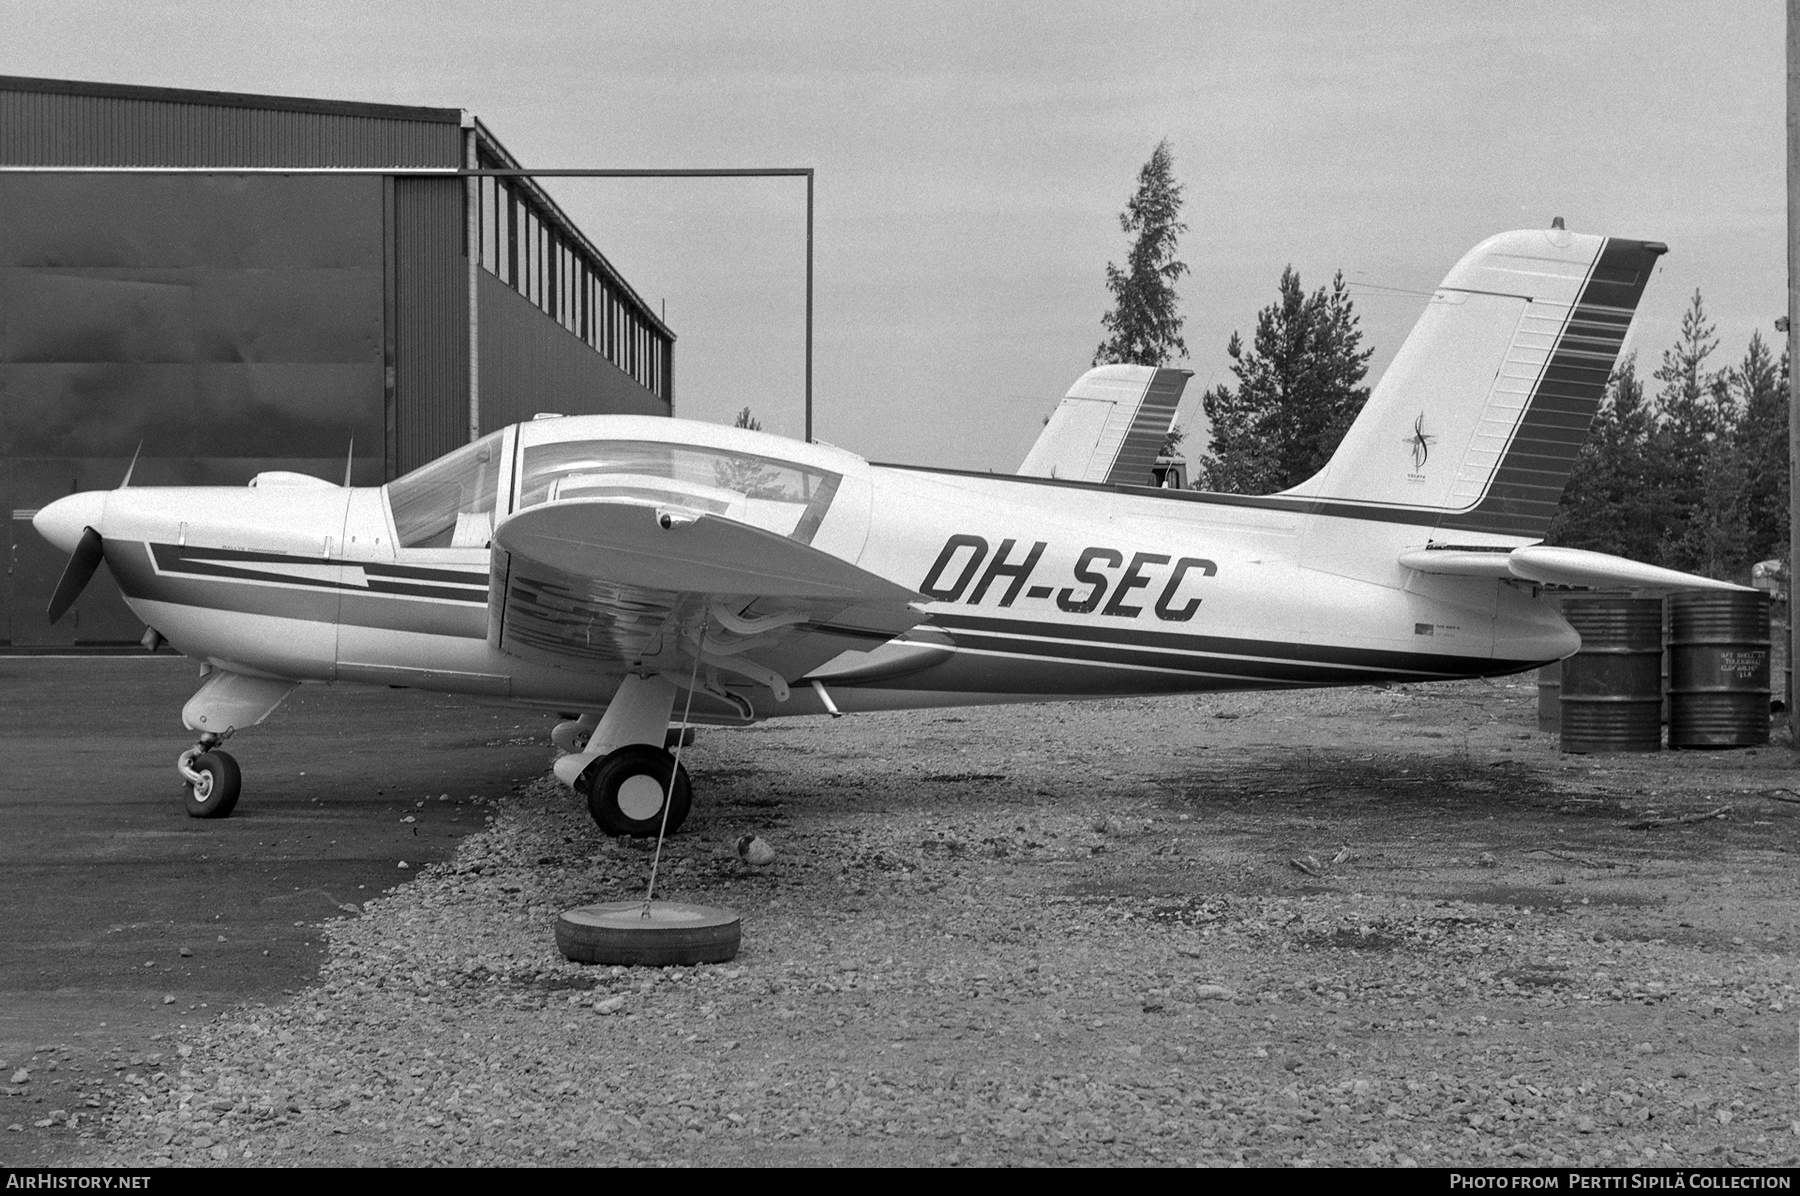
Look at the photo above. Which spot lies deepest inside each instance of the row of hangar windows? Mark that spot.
(531, 252)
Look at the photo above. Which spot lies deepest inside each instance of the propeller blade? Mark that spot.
(86, 558)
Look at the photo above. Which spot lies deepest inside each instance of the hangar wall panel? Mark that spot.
(431, 320)
(235, 324)
(258, 340)
(530, 363)
(148, 127)
(230, 326)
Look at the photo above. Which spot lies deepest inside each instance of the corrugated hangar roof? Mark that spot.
(229, 99)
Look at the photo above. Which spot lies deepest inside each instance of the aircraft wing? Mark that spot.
(1557, 566)
(609, 586)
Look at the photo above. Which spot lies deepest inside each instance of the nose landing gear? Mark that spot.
(213, 780)
(227, 702)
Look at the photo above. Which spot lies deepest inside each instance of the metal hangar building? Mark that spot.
(236, 323)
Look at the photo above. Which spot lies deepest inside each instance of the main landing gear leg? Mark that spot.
(625, 772)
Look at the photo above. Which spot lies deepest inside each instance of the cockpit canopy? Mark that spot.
(450, 502)
(453, 502)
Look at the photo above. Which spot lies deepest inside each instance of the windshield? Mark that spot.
(450, 502)
(777, 496)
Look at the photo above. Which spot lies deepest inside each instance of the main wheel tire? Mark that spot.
(674, 935)
(625, 789)
(217, 793)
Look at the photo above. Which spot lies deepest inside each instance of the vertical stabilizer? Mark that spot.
(1109, 427)
(1482, 412)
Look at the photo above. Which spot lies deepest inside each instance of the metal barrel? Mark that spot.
(1550, 697)
(1781, 668)
(1718, 669)
(1612, 687)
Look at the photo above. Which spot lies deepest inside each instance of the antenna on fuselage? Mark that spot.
(349, 460)
(126, 480)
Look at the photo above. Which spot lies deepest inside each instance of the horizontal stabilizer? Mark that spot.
(1559, 567)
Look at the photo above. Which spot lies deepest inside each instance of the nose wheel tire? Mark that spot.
(624, 791)
(216, 792)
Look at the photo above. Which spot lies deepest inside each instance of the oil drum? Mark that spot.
(1718, 669)
(1612, 687)
(1549, 687)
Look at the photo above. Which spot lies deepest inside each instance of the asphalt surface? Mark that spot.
(115, 901)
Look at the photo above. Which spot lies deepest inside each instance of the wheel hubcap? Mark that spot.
(640, 797)
(203, 789)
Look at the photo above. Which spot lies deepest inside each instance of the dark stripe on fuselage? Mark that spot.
(1218, 648)
(376, 586)
(164, 573)
(384, 568)
(234, 565)
(1226, 668)
(467, 577)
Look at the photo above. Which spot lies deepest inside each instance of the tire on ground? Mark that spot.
(218, 795)
(674, 934)
(625, 788)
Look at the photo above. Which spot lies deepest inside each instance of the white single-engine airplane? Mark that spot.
(620, 564)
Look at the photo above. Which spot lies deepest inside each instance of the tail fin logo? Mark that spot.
(1420, 442)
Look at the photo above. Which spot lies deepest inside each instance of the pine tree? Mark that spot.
(1696, 479)
(1299, 388)
(1144, 327)
(1743, 518)
(1762, 438)
(1608, 504)
(748, 475)
(1692, 410)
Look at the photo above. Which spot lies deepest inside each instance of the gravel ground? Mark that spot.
(1353, 927)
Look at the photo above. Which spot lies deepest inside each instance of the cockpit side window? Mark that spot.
(778, 496)
(450, 502)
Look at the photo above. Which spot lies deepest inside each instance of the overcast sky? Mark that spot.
(972, 160)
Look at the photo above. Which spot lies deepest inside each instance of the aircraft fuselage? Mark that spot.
(1035, 589)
